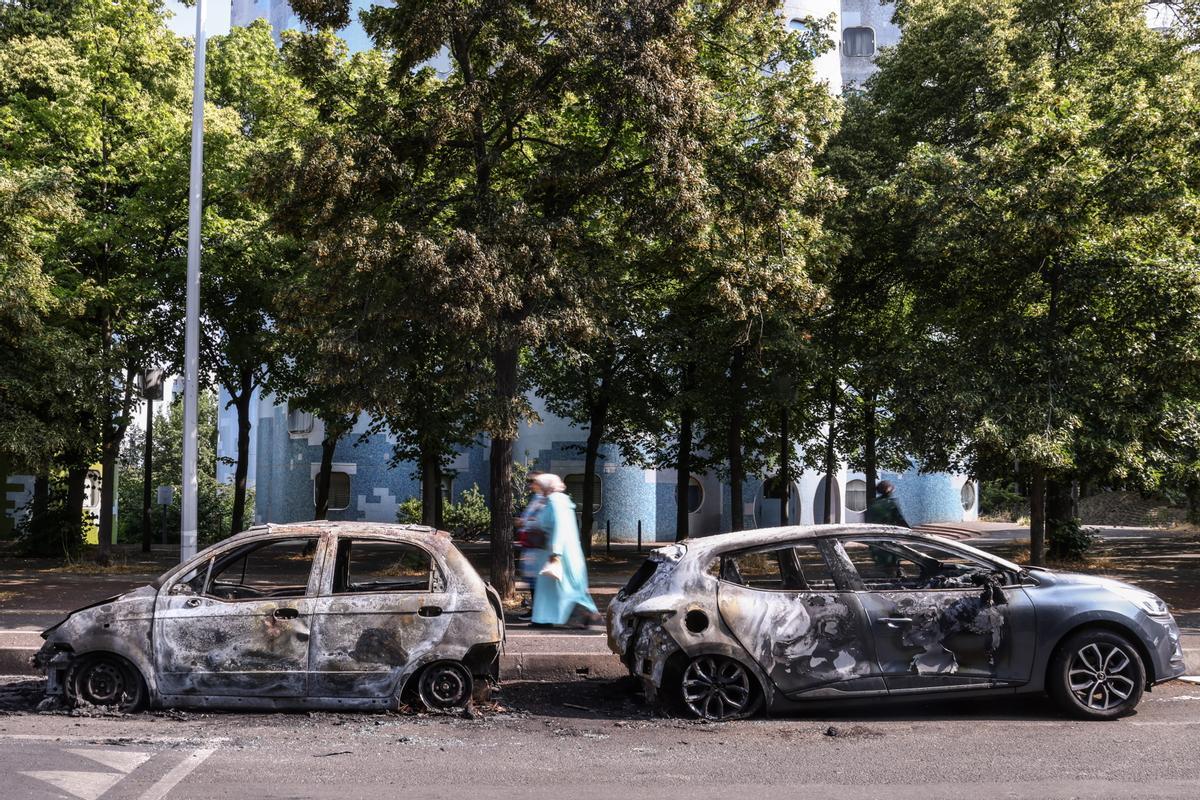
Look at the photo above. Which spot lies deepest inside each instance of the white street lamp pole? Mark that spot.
(191, 346)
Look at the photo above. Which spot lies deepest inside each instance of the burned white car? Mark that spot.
(783, 617)
(310, 615)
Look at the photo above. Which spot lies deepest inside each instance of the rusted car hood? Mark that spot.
(136, 602)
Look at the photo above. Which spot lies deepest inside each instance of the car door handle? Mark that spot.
(894, 620)
(285, 613)
(430, 611)
(192, 602)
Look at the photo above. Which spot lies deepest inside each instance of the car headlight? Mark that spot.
(1147, 602)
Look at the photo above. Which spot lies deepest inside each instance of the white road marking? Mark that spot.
(84, 785)
(177, 773)
(125, 761)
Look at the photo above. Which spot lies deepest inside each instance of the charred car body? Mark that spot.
(308, 615)
(780, 617)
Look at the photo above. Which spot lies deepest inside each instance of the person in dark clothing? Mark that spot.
(885, 510)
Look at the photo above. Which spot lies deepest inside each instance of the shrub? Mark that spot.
(469, 518)
(1001, 499)
(1069, 541)
(409, 511)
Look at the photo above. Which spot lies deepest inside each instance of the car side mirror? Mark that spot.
(181, 589)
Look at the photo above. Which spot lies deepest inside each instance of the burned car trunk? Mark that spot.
(310, 615)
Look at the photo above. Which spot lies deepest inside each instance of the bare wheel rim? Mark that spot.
(1101, 675)
(444, 686)
(104, 684)
(716, 688)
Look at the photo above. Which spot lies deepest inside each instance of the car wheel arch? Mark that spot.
(678, 660)
(79, 659)
(139, 661)
(1112, 626)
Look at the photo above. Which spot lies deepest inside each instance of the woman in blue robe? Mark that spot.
(556, 600)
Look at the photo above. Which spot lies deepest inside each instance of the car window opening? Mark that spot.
(364, 565)
(897, 565)
(275, 569)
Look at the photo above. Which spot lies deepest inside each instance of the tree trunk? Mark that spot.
(737, 469)
(241, 401)
(1058, 511)
(147, 475)
(500, 464)
(599, 417)
(831, 453)
(430, 487)
(683, 474)
(72, 526)
(870, 440)
(328, 444)
(1037, 517)
(785, 467)
(108, 485)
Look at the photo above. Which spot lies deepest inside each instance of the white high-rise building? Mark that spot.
(277, 12)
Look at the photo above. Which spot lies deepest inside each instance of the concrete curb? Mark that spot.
(560, 666)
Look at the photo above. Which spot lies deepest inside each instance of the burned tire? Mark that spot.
(718, 688)
(104, 679)
(444, 685)
(1096, 674)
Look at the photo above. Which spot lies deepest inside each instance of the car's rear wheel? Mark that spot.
(1097, 674)
(444, 685)
(718, 688)
(103, 679)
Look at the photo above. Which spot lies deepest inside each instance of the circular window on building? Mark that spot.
(968, 495)
(856, 495)
(695, 497)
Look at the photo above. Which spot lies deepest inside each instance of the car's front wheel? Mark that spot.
(718, 688)
(103, 679)
(1097, 674)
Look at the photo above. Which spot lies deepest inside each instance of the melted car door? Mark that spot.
(939, 618)
(383, 606)
(782, 605)
(246, 633)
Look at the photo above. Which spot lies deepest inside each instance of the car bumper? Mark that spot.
(651, 649)
(1169, 653)
(55, 661)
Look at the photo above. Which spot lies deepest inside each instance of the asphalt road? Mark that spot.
(593, 739)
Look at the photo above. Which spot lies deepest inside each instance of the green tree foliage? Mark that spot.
(567, 145)
(94, 94)
(1049, 179)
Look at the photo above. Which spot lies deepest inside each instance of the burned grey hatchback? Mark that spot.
(308, 615)
(782, 617)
